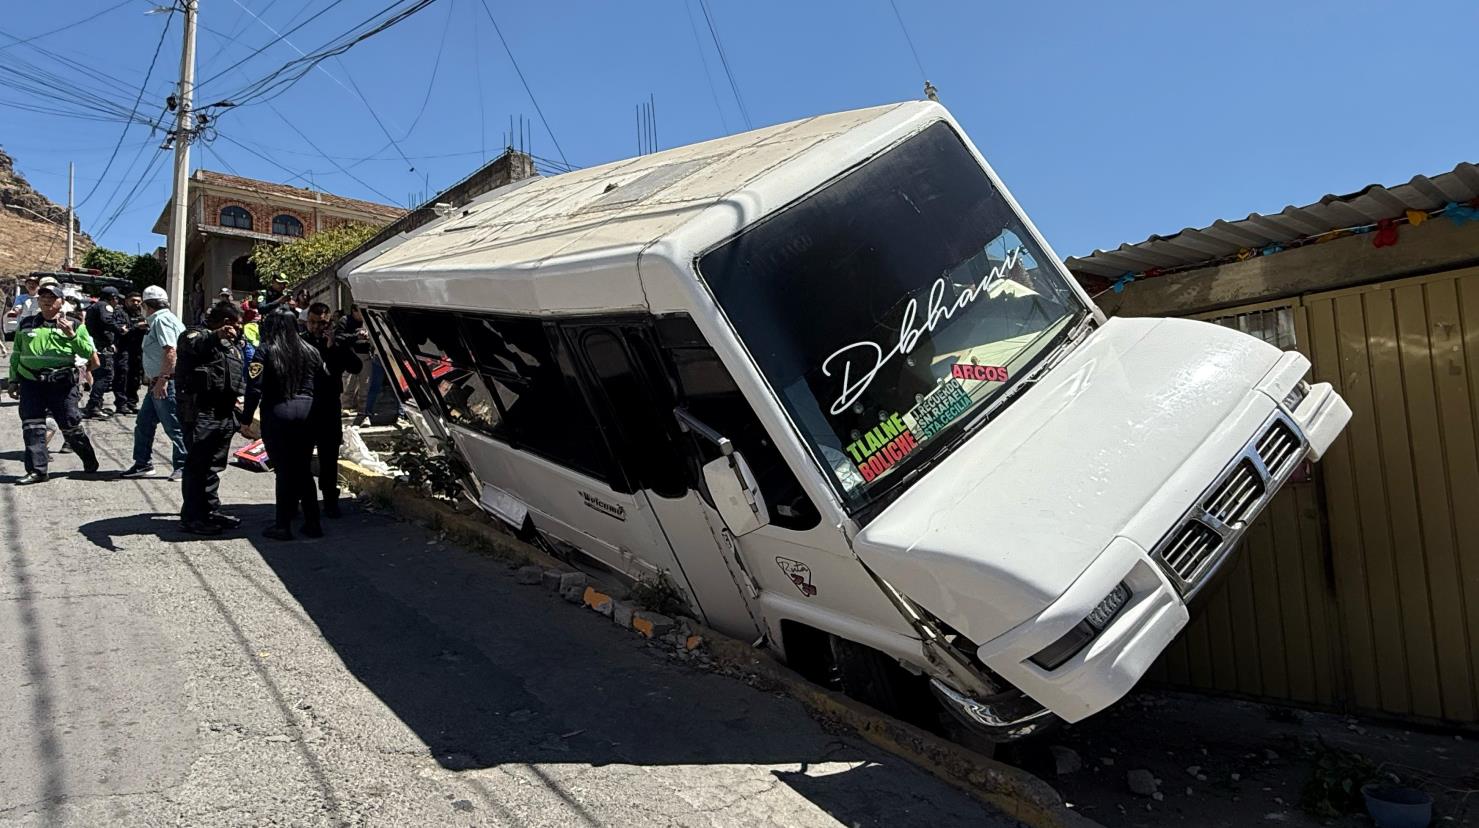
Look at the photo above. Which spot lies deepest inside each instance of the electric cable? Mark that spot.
(708, 76)
(523, 80)
(724, 60)
(164, 30)
(923, 75)
(72, 25)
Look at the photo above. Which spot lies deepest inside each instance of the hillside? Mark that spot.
(27, 242)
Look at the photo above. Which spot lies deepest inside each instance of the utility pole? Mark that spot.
(179, 208)
(70, 218)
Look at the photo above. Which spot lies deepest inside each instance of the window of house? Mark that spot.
(285, 225)
(447, 368)
(543, 409)
(237, 217)
(709, 393)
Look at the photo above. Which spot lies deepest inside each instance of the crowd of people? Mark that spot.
(271, 366)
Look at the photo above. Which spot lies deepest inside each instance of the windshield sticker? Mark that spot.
(880, 448)
(937, 410)
(909, 335)
(980, 373)
(799, 573)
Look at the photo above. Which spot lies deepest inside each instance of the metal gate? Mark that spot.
(1360, 588)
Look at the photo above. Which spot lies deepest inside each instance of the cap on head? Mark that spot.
(50, 285)
(110, 292)
(155, 293)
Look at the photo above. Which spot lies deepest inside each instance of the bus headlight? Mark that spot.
(1055, 655)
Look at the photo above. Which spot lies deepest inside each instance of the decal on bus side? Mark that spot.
(609, 509)
(799, 573)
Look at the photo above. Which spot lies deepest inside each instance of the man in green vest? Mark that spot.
(43, 373)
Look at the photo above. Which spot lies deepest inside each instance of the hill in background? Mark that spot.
(27, 242)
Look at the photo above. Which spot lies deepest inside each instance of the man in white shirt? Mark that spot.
(158, 405)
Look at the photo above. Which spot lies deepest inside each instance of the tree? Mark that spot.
(142, 270)
(113, 263)
(145, 271)
(301, 258)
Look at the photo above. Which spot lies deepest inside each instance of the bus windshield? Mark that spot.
(888, 307)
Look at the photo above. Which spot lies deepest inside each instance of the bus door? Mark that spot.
(630, 393)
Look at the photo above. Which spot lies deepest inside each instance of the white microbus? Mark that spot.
(829, 379)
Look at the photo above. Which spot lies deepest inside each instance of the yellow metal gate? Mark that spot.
(1360, 589)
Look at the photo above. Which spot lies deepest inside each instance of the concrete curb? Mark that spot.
(1013, 791)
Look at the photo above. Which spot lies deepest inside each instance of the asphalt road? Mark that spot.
(375, 677)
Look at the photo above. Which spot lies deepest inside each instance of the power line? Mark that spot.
(150, 172)
(923, 75)
(523, 80)
(264, 47)
(73, 24)
(309, 141)
(436, 65)
(709, 76)
(724, 60)
(124, 133)
(280, 80)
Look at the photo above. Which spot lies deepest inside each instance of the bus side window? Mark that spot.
(707, 390)
(542, 413)
(447, 368)
(400, 376)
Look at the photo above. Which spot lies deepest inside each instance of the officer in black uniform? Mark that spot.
(129, 369)
(209, 379)
(106, 324)
(337, 351)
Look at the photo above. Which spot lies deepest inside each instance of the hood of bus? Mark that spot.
(998, 530)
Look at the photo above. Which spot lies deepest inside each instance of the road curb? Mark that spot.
(1015, 792)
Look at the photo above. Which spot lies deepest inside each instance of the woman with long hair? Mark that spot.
(281, 378)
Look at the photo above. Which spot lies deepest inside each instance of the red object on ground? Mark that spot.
(253, 456)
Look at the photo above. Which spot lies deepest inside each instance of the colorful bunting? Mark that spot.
(1386, 233)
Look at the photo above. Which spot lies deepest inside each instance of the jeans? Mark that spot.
(377, 381)
(155, 412)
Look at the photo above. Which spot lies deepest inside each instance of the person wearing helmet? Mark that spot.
(158, 406)
(43, 373)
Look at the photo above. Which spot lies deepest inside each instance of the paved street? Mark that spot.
(371, 678)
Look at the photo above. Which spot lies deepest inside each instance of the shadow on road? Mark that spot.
(487, 672)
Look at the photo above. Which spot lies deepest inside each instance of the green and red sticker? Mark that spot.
(877, 450)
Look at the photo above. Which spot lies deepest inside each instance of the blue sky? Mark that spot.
(1108, 121)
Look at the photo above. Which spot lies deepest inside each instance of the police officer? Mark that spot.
(43, 373)
(106, 324)
(129, 370)
(209, 379)
(336, 349)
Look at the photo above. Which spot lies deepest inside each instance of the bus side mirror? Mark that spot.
(736, 496)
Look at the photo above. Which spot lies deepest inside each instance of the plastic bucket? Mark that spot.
(1394, 806)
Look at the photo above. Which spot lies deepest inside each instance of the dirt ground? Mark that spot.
(1226, 762)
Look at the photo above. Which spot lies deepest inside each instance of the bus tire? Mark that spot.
(878, 681)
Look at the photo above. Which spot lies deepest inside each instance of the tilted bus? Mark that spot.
(829, 380)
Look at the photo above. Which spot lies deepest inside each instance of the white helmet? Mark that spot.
(155, 293)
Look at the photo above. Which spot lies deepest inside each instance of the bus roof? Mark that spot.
(607, 214)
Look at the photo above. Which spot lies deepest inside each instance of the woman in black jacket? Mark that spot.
(281, 378)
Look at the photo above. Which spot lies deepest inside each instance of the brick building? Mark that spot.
(229, 215)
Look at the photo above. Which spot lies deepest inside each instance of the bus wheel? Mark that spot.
(878, 681)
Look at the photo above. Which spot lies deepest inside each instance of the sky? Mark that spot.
(1108, 121)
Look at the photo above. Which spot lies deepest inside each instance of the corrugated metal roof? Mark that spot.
(1333, 212)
